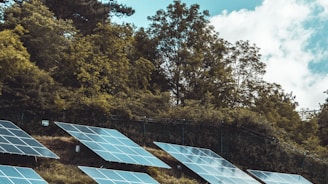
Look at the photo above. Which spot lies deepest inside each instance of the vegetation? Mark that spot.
(65, 170)
(66, 61)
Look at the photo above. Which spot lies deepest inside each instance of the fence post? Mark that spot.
(221, 138)
(183, 130)
(144, 125)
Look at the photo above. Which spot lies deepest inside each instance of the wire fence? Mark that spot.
(239, 144)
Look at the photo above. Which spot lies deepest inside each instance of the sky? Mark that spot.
(292, 37)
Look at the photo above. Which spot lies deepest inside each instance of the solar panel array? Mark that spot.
(112, 145)
(278, 178)
(105, 176)
(19, 175)
(14, 140)
(207, 164)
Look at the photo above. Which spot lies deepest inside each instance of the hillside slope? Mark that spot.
(244, 148)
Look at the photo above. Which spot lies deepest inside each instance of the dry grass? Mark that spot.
(55, 172)
(169, 176)
(64, 170)
(159, 153)
(48, 139)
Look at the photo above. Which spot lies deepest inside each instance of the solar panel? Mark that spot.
(104, 176)
(112, 145)
(278, 178)
(21, 175)
(207, 164)
(15, 141)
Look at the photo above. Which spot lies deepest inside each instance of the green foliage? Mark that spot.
(109, 63)
(323, 123)
(188, 51)
(307, 132)
(247, 71)
(32, 86)
(140, 103)
(195, 111)
(145, 47)
(25, 87)
(140, 74)
(13, 55)
(277, 106)
(178, 68)
(86, 14)
(46, 38)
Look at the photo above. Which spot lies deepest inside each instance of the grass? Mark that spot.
(55, 172)
(61, 171)
(65, 170)
(172, 176)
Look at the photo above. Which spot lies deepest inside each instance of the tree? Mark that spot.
(24, 85)
(188, 50)
(277, 106)
(13, 55)
(247, 71)
(46, 38)
(111, 44)
(323, 123)
(86, 14)
(103, 68)
(145, 47)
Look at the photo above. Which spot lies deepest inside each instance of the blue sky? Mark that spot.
(291, 35)
(146, 8)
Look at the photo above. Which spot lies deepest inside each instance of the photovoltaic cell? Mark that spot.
(105, 176)
(278, 178)
(112, 145)
(19, 175)
(207, 164)
(14, 140)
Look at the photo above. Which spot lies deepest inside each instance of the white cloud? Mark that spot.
(324, 5)
(277, 28)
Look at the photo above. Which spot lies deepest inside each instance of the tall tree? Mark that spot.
(323, 122)
(102, 69)
(13, 55)
(145, 47)
(188, 49)
(277, 106)
(86, 14)
(24, 85)
(46, 38)
(247, 71)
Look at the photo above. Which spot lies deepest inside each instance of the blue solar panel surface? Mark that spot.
(14, 140)
(278, 178)
(207, 164)
(112, 145)
(106, 176)
(19, 175)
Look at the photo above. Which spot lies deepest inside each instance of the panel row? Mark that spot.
(14, 140)
(113, 146)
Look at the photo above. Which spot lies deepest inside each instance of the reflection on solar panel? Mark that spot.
(278, 178)
(112, 145)
(21, 175)
(15, 141)
(207, 164)
(117, 177)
